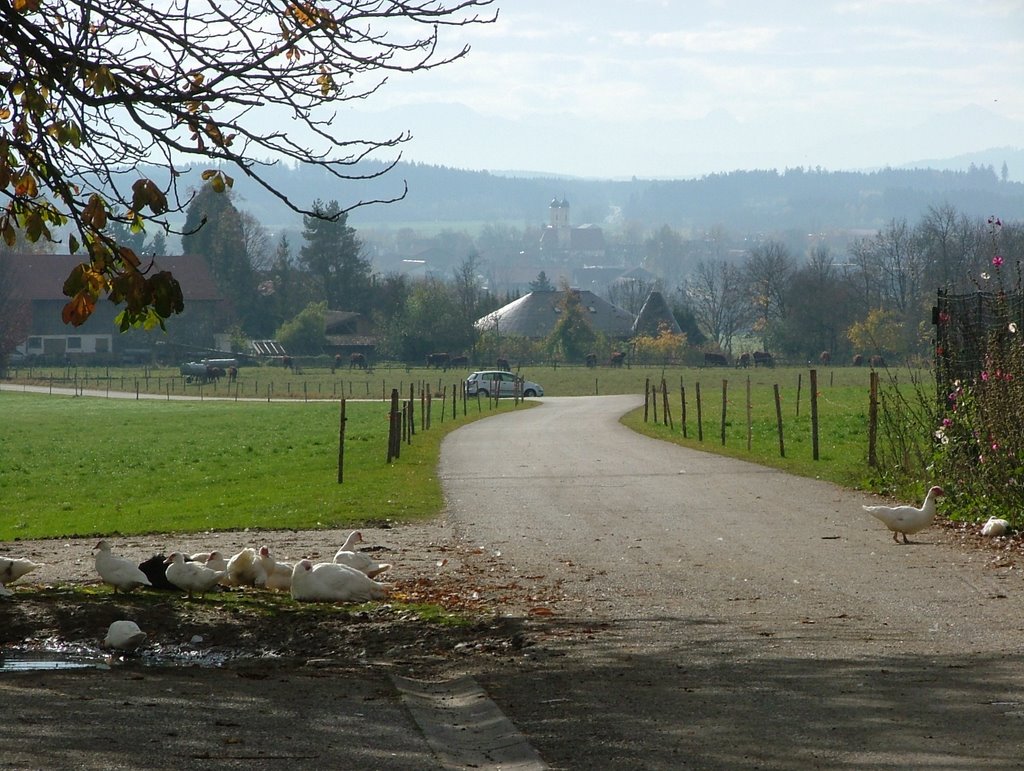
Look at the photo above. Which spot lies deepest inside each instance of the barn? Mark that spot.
(534, 316)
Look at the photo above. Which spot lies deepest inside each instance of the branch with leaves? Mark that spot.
(90, 91)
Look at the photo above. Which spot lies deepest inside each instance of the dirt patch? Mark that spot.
(449, 598)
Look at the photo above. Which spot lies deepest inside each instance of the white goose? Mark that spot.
(13, 568)
(244, 569)
(907, 519)
(121, 574)
(995, 527)
(212, 559)
(347, 555)
(277, 575)
(124, 636)
(191, 577)
(331, 582)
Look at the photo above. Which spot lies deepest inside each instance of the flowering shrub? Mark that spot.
(666, 348)
(979, 436)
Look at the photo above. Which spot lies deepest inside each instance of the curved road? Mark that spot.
(718, 614)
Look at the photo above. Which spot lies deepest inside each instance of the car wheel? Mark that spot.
(529, 392)
(482, 392)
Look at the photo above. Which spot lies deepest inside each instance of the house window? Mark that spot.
(102, 345)
(35, 343)
(74, 343)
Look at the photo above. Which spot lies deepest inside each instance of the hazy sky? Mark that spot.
(661, 88)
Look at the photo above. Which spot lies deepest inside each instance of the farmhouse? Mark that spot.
(534, 316)
(36, 296)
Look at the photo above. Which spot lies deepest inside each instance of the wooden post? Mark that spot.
(873, 420)
(455, 402)
(412, 411)
(647, 392)
(799, 383)
(341, 444)
(725, 393)
(682, 401)
(393, 427)
(665, 411)
(778, 420)
(444, 400)
(654, 402)
(750, 427)
(700, 417)
(814, 414)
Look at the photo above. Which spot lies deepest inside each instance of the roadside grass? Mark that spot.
(84, 466)
(87, 466)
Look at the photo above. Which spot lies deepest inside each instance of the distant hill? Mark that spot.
(743, 201)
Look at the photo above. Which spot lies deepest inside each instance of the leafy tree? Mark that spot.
(880, 332)
(333, 256)
(90, 92)
(572, 337)
(768, 269)
(715, 293)
(304, 334)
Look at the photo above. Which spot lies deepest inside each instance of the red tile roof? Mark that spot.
(42, 276)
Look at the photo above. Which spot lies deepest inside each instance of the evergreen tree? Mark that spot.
(333, 255)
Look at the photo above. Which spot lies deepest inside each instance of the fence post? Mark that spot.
(682, 401)
(799, 383)
(647, 390)
(341, 444)
(725, 392)
(814, 414)
(412, 411)
(873, 420)
(750, 427)
(778, 420)
(393, 427)
(700, 416)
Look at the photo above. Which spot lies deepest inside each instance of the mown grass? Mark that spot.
(84, 466)
(842, 427)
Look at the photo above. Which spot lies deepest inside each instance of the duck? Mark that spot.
(277, 575)
(907, 519)
(191, 577)
(155, 569)
(995, 527)
(212, 559)
(124, 636)
(361, 561)
(120, 573)
(244, 569)
(13, 568)
(333, 582)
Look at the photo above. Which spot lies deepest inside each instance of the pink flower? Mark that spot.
(984, 376)
(997, 260)
(947, 422)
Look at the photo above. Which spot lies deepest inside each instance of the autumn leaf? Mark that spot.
(78, 309)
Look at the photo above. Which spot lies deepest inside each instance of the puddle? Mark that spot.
(54, 655)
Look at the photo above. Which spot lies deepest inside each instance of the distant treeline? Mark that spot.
(744, 201)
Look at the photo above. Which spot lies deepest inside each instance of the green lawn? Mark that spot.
(78, 466)
(82, 466)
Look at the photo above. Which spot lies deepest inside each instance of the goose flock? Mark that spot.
(351, 577)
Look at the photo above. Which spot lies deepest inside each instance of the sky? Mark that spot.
(684, 88)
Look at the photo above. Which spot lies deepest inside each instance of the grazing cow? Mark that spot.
(458, 361)
(743, 360)
(825, 358)
(591, 360)
(214, 373)
(877, 361)
(502, 364)
(232, 374)
(715, 360)
(439, 360)
(858, 360)
(337, 363)
(616, 359)
(357, 360)
(763, 359)
(287, 363)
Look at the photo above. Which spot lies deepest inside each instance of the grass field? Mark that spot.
(80, 466)
(93, 465)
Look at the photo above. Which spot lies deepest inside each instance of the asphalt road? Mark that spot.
(717, 614)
